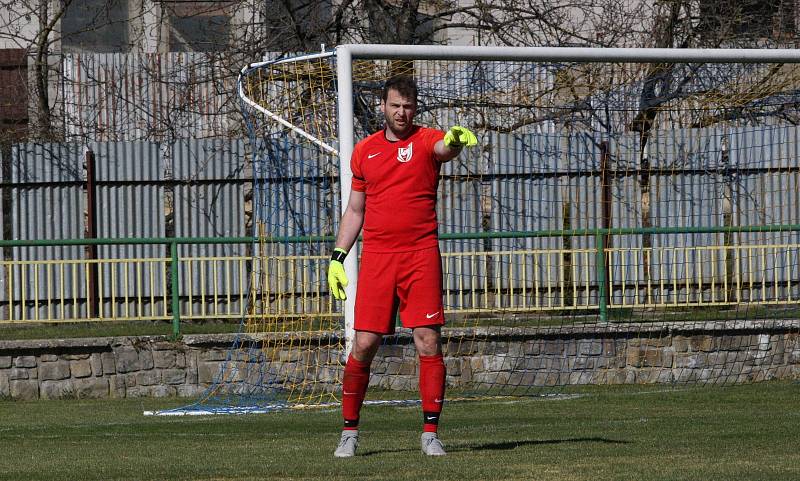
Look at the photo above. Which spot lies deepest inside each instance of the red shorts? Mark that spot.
(408, 282)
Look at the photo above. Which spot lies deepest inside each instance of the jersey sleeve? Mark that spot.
(359, 183)
(434, 135)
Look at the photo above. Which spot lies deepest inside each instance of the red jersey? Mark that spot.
(400, 180)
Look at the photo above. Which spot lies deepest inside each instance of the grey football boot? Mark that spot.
(431, 445)
(347, 444)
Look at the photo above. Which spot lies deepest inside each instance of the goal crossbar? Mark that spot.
(567, 54)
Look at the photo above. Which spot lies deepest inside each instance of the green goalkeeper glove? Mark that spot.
(459, 136)
(337, 279)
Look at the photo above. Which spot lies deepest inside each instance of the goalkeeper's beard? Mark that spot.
(400, 129)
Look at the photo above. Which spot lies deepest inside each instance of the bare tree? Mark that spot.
(218, 38)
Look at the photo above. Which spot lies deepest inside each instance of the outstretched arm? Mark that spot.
(455, 138)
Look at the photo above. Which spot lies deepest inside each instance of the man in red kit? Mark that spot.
(393, 197)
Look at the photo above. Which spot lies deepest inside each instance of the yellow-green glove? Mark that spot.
(337, 279)
(459, 137)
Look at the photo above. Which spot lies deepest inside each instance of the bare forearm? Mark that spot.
(446, 152)
(349, 228)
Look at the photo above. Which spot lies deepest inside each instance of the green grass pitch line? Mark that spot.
(622, 433)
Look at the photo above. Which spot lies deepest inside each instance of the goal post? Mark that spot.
(347, 141)
(629, 216)
(347, 54)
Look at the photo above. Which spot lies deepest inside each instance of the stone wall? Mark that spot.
(528, 359)
(109, 367)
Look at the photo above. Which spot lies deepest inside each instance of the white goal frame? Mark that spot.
(345, 54)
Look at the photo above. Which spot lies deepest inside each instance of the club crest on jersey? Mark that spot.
(404, 153)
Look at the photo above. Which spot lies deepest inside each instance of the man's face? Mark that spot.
(399, 112)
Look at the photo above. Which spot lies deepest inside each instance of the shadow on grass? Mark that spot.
(499, 446)
(534, 442)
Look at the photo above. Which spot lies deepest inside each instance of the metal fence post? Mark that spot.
(605, 207)
(602, 295)
(173, 285)
(93, 299)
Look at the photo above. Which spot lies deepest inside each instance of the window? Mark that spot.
(198, 26)
(95, 26)
(773, 19)
(295, 25)
(386, 20)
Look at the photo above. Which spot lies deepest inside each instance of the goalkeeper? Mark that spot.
(393, 197)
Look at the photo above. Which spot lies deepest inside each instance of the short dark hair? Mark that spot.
(404, 84)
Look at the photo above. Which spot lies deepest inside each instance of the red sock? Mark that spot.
(354, 388)
(431, 390)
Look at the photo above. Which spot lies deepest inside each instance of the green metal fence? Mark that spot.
(598, 279)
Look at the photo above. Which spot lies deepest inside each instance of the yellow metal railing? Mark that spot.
(293, 286)
(221, 290)
(141, 289)
(705, 276)
(53, 291)
(656, 277)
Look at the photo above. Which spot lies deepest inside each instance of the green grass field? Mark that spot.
(628, 433)
(33, 330)
(21, 331)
